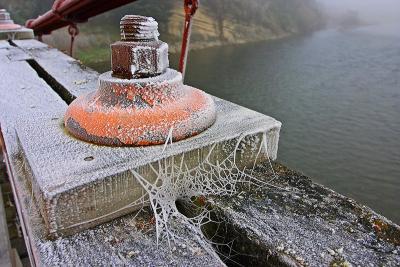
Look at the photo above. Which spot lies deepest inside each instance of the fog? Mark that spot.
(369, 11)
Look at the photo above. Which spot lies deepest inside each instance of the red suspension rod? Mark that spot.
(66, 12)
(191, 7)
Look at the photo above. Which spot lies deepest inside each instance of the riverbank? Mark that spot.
(99, 57)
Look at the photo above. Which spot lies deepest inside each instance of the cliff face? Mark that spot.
(237, 21)
(213, 29)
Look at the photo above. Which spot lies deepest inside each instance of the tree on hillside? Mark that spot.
(218, 11)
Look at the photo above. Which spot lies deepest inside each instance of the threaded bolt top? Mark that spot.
(138, 28)
(5, 16)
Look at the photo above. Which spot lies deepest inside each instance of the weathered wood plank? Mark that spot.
(127, 241)
(304, 225)
(30, 44)
(23, 93)
(309, 225)
(79, 250)
(11, 53)
(72, 78)
(14, 54)
(15, 258)
(31, 97)
(4, 44)
(63, 171)
(61, 175)
(5, 247)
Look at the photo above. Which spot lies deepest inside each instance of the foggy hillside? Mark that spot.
(368, 11)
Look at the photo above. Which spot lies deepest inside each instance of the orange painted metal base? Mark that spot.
(140, 112)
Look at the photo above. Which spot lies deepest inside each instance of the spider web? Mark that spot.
(212, 173)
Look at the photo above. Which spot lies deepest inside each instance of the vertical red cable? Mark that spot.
(190, 7)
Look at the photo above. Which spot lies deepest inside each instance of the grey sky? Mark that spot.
(370, 10)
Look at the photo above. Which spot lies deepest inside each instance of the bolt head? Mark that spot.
(133, 60)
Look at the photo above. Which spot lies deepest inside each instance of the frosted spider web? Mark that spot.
(175, 179)
(210, 175)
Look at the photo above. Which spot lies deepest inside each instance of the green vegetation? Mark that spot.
(93, 54)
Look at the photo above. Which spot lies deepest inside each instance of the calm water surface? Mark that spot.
(337, 94)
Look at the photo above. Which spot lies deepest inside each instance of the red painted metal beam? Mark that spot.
(67, 12)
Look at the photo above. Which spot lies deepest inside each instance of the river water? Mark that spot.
(337, 94)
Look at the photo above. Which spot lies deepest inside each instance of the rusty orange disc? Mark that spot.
(140, 112)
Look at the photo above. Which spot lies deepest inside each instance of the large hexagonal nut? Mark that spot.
(133, 60)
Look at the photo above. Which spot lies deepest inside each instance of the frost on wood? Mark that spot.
(194, 175)
(75, 194)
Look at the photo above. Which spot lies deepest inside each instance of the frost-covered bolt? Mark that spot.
(139, 54)
(5, 17)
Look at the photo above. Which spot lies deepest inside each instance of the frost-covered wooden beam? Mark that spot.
(289, 221)
(128, 241)
(65, 74)
(78, 185)
(64, 185)
(5, 247)
(295, 222)
(21, 95)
